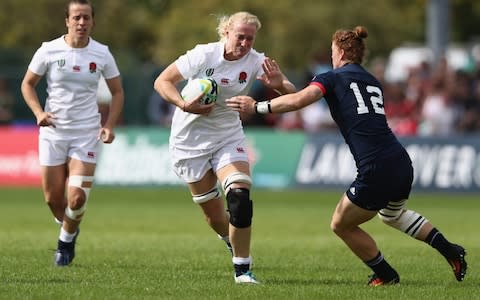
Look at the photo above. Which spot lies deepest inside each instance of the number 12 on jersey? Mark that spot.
(376, 98)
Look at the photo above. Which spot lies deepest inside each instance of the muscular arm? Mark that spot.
(165, 85)
(285, 103)
(296, 101)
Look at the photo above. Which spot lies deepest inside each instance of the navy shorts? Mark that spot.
(381, 181)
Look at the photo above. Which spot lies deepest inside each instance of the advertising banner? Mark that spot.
(141, 157)
(137, 157)
(19, 164)
(446, 164)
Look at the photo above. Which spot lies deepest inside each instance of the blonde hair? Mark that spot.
(226, 22)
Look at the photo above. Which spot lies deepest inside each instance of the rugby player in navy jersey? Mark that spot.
(384, 169)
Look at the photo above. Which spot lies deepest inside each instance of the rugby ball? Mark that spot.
(197, 86)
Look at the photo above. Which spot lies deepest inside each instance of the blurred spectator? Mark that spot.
(377, 68)
(6, 103)
(290, 121)
(417, 82)
(401, 112)
(470, 121)
(315, 117)
(438, 113)
(159, 111)
(320, 62)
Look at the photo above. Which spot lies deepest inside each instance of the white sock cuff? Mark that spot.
(241, 260)
(65, 236)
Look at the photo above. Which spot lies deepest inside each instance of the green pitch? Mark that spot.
(154, 244)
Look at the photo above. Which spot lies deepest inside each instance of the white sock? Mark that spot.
(65, 236)
(241, 260)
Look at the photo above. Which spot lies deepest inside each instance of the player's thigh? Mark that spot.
(53, 182)
(237, 166)
(81, 168)
(348, 215)
(204, 185)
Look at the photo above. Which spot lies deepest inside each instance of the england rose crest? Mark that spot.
(242, 78)
(93, 67)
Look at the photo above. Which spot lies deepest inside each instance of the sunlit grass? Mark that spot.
(154, 244)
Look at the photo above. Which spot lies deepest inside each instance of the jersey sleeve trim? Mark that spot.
(320, 86)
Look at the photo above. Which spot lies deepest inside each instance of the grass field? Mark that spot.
(153, 244)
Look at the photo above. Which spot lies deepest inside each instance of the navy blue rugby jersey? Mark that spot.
(355, 99)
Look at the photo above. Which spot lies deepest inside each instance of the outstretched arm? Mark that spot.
(285, 103)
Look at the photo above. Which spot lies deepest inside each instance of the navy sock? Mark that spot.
(381, 267)
(436, 239)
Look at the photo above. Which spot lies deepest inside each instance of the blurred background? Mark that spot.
(425, 52)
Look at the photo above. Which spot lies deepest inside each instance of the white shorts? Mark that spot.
(194, 168)
(54, 150)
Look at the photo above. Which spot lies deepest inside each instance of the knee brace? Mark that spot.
(404, 220)
(202, 198)
(84, 183)
(240, 207)
(237, 177)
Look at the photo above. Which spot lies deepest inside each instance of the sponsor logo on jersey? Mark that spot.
(209, 72)
(240, 150)
(224, 81)
(92, 67)
(242, 78)
(91, 154)
(76, 68)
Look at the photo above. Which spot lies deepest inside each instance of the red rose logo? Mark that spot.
(93, 67)
(242, 78)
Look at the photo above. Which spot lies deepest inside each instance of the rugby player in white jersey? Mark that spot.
(70, 127)
(207, 142)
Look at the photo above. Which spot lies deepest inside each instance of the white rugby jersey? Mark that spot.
(72, 76)
(205, 133)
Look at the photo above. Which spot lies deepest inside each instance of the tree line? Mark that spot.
(159, 30)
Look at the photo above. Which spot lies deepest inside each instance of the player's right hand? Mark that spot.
(195, 107)
(46, 119)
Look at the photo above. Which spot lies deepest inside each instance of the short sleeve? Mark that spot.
(191, 62)
(325, 81)
(111, 68)
(39, 62)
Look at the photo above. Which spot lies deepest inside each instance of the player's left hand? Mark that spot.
(273, 76)
(106, 135)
